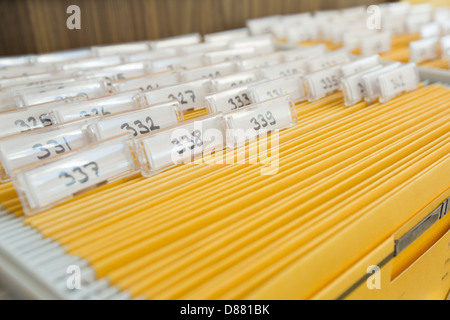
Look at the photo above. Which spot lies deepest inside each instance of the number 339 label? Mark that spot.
(258, 119)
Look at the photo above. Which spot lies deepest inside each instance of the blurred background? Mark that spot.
(37, 26)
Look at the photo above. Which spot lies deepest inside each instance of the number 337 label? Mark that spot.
(55, 181)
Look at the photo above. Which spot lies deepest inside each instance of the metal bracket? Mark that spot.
(415, 232)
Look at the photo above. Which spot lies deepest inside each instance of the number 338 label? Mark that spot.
(181, 143)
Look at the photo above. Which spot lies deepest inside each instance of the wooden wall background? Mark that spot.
(34, 26)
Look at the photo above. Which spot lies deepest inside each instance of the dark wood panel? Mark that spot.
(29, 26)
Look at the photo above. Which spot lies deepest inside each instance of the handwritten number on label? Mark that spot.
(242, 100)
(329, 82)
(181, 98)
(148, 87)
(81, 172)
(274, 93)
(94, 111)
(85, 176)
(59, 148)
(398, 82)
(143, 128)
(262, 121)
(195, 140)
(152, 125)
(126, 126)
(64, 174)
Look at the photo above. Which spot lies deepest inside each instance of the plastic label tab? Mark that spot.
(122, 48)
(379, 42)
(88, 88)
(137, 122)
(445, 46)
(204, 47)
(177, 41)
(120, 72)
(194, 60)
(91, 63)
(328, 60)
(190, 95)
(398, 81)
(292, 86)
(423, 50)
(359, 65)
(228, 100)
(323, 82)
(371, 84)
(260, 61)
(172, 146)
(258, 119)
(229, 55)
(226, 36)
(430, 30)
(236, 79)
(151, 55)
(149, 82)
(304, 53)
(25, 119)
(285, 69)
(95, 107)
(212, 71)
(57, 180)
(38, 145)
(353, 87)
